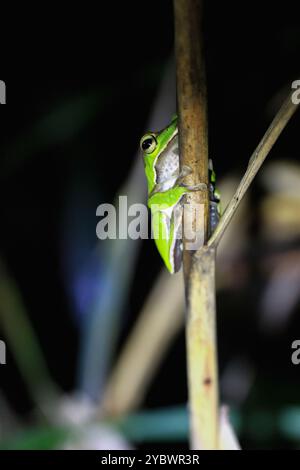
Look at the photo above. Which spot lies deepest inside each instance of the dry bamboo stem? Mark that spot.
(199, 270)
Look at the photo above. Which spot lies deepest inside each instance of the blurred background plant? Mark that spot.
(94, 329)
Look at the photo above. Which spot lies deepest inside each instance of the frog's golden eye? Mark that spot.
(148, 143)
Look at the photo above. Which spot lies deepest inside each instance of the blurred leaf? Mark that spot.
(59, 125)
(36, 439)
(23, 342)
(289, 423)
(170, 424)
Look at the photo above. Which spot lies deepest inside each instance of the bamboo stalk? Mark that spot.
(202, 351)
(199, 269)
(191, 100)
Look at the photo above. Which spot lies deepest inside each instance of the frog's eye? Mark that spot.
(148, 143)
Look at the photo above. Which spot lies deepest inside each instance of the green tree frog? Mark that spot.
(166, 191)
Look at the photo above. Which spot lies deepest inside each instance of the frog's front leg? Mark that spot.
(195, 187)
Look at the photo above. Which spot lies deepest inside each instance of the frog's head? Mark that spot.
(152, 145)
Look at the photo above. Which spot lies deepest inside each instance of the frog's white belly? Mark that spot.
(167, 165)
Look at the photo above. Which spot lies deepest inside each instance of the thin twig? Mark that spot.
(259, 155)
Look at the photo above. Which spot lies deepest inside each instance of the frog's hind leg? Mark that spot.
(176, 246)
(169, 243)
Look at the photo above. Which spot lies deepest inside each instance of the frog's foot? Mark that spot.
(195, 187)
(185, 171)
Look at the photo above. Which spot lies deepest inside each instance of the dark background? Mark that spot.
(115, 53)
